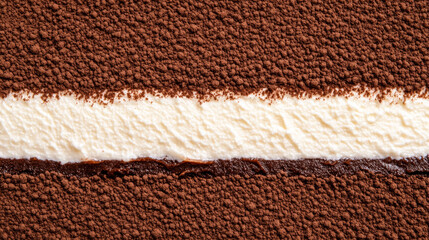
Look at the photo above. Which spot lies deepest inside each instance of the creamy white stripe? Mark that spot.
(70, 130)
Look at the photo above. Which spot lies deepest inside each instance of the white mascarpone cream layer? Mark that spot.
(71, 130)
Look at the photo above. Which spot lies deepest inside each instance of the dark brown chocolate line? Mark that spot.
(245, 167)
(191, 47)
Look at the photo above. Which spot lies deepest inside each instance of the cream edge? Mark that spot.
(67, 129)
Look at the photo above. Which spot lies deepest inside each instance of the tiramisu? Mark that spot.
(305, 119)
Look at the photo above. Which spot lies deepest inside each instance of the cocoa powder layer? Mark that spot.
(365, 205)
(191, 47)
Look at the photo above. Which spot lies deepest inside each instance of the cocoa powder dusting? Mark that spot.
(361, 206)
(187, 47)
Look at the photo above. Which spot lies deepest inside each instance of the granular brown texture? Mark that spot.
(363, 206)
(199, 46)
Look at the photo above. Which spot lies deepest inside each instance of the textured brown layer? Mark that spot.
(244, 167)
(366, 205)
(186, 45)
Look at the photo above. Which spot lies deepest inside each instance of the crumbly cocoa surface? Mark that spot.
(187, 47)
(364, 205)
(247, 199)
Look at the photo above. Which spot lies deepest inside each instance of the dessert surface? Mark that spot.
(335, 92)
(117, 80)
(366, 205)
(192, 47)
